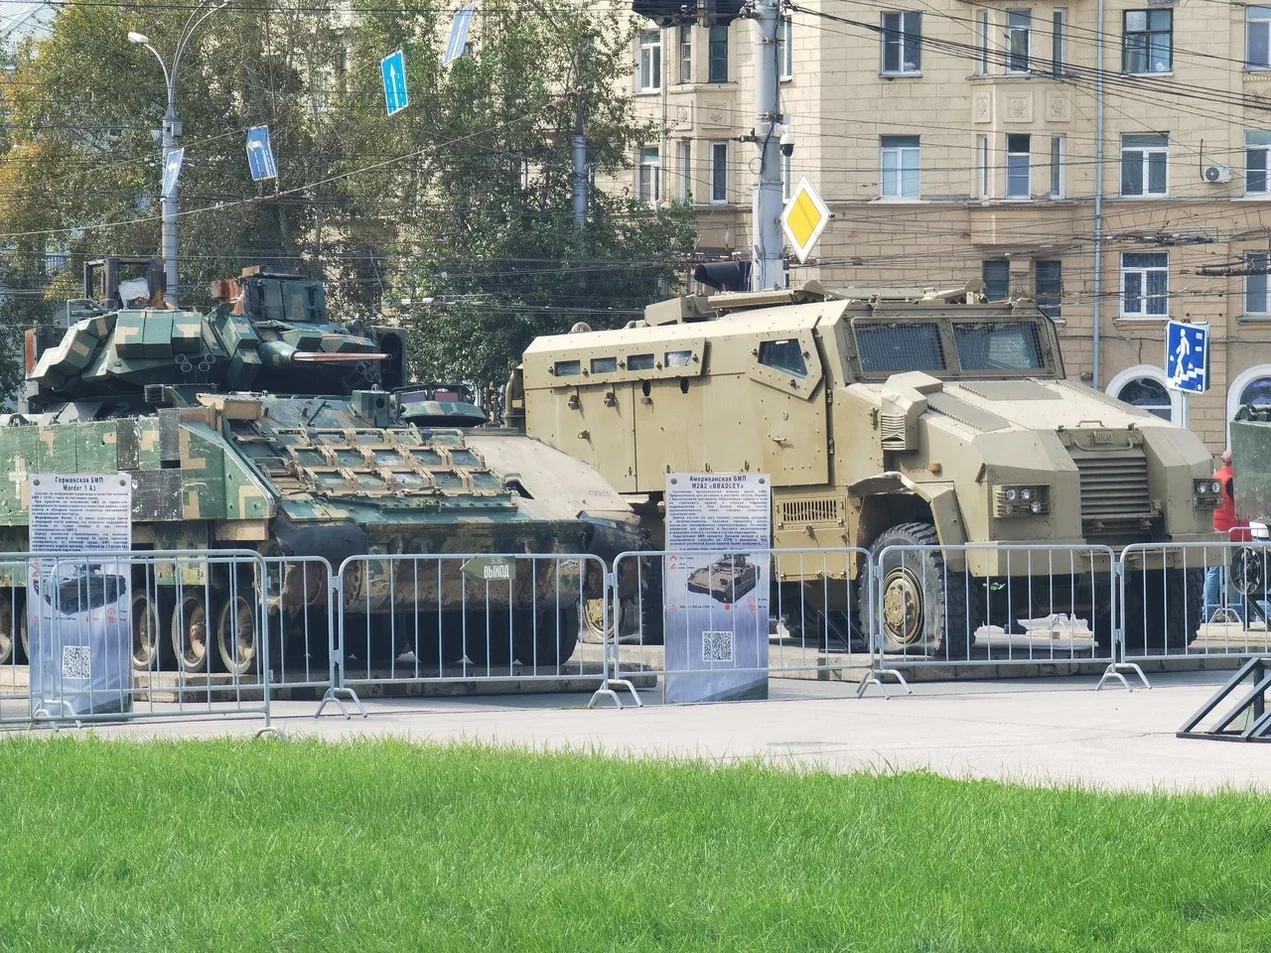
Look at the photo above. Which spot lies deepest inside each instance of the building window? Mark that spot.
(719, 173)
(1257, 166)
(1057, 43)
(649, 77)
(649, 175)
(1017, 162)
(1144, 387)
(785, 50)
(1144, 284)
(787, 177)
(1251, 387)
(982, 166)
(1018, 26)
(1149, 41)
(685, 160)
(1258, 37)
(718, 54)
(997, 279)
(1256, 283)
(900, 167)
(686, 52)
(902, 43)
(1056, 167)
(982, 64)
(1144, 161)
(1049, 288)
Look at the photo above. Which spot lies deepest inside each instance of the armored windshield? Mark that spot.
(954, 347)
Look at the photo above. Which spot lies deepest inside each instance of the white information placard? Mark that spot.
(715, 586)
(78, 605)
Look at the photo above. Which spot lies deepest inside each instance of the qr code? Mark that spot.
(77, 661)
(717, 646)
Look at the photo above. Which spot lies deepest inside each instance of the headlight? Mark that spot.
(1206, 493)
(1020, 500)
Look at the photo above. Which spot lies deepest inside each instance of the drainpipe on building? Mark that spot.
(1096, 368)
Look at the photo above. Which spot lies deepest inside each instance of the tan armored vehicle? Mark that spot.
(883, 417)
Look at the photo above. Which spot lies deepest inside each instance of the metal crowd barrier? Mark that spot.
(1185, 600)
(465, 618)
(1001, 604)
(123, 636)
(719, 622)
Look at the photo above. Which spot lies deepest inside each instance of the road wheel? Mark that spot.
(146, 619)
(550, 645)
(13, 637)
(189, 632)
(236, 634)
(924, 608)
(1163, 609)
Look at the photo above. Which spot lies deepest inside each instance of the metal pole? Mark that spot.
(768, 259)
(169, 232)
(580, 141)
(1096, 356)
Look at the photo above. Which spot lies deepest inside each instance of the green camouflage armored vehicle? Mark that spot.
(264, 424)
(885, 417)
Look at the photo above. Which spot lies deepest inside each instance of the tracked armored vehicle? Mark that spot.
(265, 424)
(884, 417)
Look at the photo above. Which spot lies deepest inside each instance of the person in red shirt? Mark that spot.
(1225, 522)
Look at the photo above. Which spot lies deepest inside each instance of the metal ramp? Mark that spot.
(1248, 718)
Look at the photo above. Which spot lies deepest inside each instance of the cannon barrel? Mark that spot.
(279, 354)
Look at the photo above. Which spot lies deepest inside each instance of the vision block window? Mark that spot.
(679, 358)
(894, 348)
(640, 362)
(568, 368)
(991, 346)
(785, 356)
(604, 365)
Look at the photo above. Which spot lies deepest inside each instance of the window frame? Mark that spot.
(654, 170)
(717, 53)
(649, 56)
(1011, 156)
(1058, 30)
(1148, 33)
(982, 57)
(1052, 311)
(901, 151)
(684, 159)
(1056, 164)
(684, 47)
(1011, 29)
(1142, 271)
(983, 174)
(1004, 263)
(719, 147)
(1264, 148)
(898, 38)
(1262, 18)
(1131, 375)
(1145, 153)
(785, 48)
(1265, 311)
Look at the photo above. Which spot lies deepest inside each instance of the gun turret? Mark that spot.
(269, 331)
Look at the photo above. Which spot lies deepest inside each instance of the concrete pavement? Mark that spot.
(1032, 731)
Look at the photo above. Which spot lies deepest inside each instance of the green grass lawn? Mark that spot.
(385, 846)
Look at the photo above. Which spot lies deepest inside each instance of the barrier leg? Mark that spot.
(875, 677)
(333, 696)
(1114, 672)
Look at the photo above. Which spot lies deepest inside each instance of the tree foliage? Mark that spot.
(453, 217)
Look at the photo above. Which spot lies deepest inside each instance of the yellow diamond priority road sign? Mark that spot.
(804, 219)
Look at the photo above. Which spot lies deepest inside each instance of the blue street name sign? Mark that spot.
(1187, 357)
(260, 155)
(393, 67)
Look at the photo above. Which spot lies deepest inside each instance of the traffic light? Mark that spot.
(724, 275)
(667, 12)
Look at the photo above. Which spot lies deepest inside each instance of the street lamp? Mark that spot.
(172, 132)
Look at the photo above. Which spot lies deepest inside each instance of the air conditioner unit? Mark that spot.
(1217, 173)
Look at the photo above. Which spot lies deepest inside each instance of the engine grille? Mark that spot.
(1114, 485)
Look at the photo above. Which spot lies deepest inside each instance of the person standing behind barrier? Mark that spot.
(1225, 522)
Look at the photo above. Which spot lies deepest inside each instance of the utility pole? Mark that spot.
(580, 140)
(768, 259)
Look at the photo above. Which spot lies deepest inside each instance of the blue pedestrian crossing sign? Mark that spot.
(1187, 357)
(393, 67)
(172, 171)
(458, 35)
(260, 155)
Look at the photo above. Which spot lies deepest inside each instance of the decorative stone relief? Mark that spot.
(714, 112)
(1058, 106)
(1019, 107)
(681, 116)
(982, 105)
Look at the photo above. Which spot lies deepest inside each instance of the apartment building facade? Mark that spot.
(956, 140)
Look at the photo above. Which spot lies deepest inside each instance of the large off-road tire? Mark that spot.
(549, 645)
(148, 613)
(924, 608)
(238, 633)
(1163, 610)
